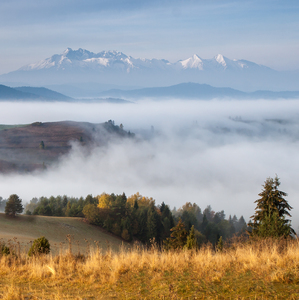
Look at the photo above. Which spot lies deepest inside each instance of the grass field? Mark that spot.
(25, 229)
(2, 126)
(260, 270)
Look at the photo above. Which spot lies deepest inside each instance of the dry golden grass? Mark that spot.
(249, 270)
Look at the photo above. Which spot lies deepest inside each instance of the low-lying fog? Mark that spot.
(209, 152)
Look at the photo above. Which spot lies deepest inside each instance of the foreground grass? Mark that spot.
(263, 270)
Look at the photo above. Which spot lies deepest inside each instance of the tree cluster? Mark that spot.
(139, 218)
(136, 217)
(209, 225)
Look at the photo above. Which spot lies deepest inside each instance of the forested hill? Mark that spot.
(24, 148)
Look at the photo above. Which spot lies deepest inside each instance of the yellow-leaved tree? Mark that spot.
(105, 201)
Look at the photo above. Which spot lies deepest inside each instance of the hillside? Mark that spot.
(8, 93)
(197, 91)
(55, 229)
(27, 93)
(38, 145)
(44, 93)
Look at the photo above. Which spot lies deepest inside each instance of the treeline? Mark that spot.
(139, 218)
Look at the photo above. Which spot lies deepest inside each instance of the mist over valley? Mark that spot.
(216, 152)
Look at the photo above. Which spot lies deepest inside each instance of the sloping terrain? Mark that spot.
(35, 146)
(44, 93)
(55, 229)
(8, 93)
(197, 91)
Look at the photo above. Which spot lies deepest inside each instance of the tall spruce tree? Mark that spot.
(271, 210)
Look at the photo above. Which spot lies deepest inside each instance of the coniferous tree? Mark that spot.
(178, 237)
(191, 242)
(13, 205)
(271, 209)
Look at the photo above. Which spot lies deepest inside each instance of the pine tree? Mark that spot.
(178, 237)
(271, 209)
(13, 205)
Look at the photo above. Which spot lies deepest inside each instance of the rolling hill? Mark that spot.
(8, 93)
(198, 91)
(44, 93)
(27, 228)
(35, 146)
(31, 94)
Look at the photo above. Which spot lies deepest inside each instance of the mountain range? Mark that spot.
(197, 91)
(182, 91)
(79, 67)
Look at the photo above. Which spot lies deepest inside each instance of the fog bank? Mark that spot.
(210, 152)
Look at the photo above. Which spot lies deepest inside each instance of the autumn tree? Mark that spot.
(178, 236)
(191, 242)
(271, 210)
(13, 205)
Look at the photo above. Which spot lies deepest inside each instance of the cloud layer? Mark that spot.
(209, 152)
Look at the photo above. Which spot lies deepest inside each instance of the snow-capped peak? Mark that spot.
(220, 59)
(80, 59)
(194, 62)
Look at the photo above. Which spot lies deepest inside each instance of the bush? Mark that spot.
(4, 250)
(39, 246)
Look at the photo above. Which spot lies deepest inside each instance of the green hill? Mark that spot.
(27, 228)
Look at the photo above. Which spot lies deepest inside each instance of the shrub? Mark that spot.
(4, 250)
(39, 246)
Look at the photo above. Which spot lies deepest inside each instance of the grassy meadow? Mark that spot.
(248, 270)
(24, 229)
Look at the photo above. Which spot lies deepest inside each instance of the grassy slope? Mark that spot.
(55, 229)
(245, 271)
(3, 126)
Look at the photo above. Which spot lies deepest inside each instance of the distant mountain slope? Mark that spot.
(116, 68)
(197, 91)
(182, 91)
(38, 145)
(8, 93)
(44, 93)
(31, 93)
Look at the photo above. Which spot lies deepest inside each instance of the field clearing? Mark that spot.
(3, 126)
(260, 270)
(24, 229)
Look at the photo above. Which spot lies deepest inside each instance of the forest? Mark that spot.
(138, 218)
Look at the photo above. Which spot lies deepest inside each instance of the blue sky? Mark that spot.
(266, 32)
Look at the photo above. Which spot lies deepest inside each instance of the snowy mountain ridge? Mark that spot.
(82, 58)
(79, 68)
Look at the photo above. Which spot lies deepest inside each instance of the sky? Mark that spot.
(262, 31)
